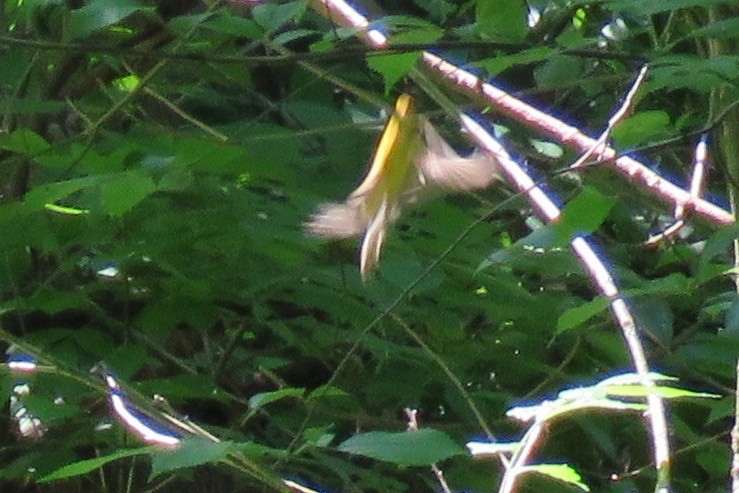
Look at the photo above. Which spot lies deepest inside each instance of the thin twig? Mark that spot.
(619, 115)
(340, 53)
(186, 116)
(412, 416)
(452, 377)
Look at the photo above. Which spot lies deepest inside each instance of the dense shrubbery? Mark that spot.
(159, 159)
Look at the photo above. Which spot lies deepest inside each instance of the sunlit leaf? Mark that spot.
(560, 472)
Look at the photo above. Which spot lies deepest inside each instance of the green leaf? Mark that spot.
(714, 458)
(662, 391)
(503, 20)
(731, 324)
(38, 197)
(192, 452)
(23, 141)
(548, 149)
(583, 214)
(100, 14)
(52, 301)
(29, 106)
(559, 71)
(499, 63)
(234, 25)
(260, 400)
(656, 317)
(272, 16)
(716, 245)
(724, 29)
(123, 193)
(560, 472)
(641, 127)
(412, 448)
(642, 8)
(392, 67)
(692, 72)
(408, 29)
(86, 466)
(574, 317)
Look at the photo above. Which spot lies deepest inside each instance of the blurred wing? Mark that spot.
(337, 221)
(441, 165)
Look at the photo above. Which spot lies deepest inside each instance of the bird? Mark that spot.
(411, 161)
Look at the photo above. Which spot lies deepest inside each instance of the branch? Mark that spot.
(341, 52)
(632, 169)
(601, 277)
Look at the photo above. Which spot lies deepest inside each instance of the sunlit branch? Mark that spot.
(521, 457)
(598, 272)
(24, 359)
(568, 135)
(696, 188)
(344, 14)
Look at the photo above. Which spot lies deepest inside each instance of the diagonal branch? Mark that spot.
(601, 277)
(568, 135)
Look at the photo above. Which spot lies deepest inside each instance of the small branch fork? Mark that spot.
(626, 108)
(548, 210)
(697, 181)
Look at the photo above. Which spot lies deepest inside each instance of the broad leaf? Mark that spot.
(411, 448)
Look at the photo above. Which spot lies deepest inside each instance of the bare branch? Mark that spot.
(696, 188)
(632, 169)
(602, 279)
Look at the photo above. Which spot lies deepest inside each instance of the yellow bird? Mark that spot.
(410, 156)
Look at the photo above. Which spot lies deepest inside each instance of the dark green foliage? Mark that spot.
(158, 159)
